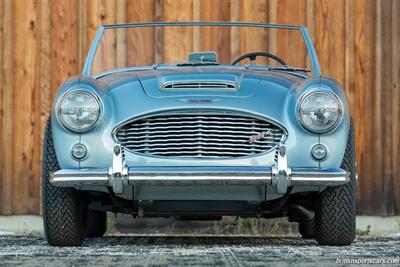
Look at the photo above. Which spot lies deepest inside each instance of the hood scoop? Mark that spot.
(199, 85)
(198, 82)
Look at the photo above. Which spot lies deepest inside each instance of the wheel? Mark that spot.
(62, 207)
(96, 223)
(307, 229)
(336, 209)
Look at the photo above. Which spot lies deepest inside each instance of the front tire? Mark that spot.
(63, 208)
(335, 215)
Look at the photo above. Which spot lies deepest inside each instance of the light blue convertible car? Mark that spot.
(198, 121)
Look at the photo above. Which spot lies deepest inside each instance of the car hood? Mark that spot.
(270, 94)
(202, 82)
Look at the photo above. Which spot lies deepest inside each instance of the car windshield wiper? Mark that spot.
(196, 64)
(288, 68)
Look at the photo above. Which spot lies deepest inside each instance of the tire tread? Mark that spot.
(62, 206)
(336, 211)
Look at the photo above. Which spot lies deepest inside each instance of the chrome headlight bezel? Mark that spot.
(97, 100)
(330, 94)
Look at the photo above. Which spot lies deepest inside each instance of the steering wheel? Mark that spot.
(252, 57)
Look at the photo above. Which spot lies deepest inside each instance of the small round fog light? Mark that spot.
(79, 151)
(319, 152)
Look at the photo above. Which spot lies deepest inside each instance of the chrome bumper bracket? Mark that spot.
(281, 173)
(118, 173)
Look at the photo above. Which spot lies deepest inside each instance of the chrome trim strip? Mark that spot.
(81, 177)
(314, 176)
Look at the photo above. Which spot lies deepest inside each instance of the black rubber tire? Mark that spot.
(335, 215)
(307, 229)
(63, 208)
(96, 224)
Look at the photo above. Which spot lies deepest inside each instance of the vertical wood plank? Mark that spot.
(310, 24)
(273, 18)
(376, 122)
(330, 32)
(254, 39)
(367, 115)
(64, 42)
(1, 96)
(121, 43)
(288, 40)
(210, 37)
(26, 128)
(349, 56)
(394, 123)
(45, 72)
(100, 12)
(7, 104)
(83, 44)
(385, 81)
(159, 35)
(197, 12)
(310, 17)
(140, 42)
(173, 49)
(45, 63)
(235, 33)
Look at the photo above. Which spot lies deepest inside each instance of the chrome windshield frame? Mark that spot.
(87, 68)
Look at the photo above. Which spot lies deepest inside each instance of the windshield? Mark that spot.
(130, 46)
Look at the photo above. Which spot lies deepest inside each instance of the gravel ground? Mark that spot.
(158, 250)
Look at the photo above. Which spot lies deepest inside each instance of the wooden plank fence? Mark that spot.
(43, 42)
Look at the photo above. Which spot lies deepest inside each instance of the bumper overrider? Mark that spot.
(120, 175)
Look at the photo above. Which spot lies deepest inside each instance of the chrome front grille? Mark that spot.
(204, 134)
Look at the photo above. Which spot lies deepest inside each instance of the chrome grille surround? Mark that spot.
(199, 134)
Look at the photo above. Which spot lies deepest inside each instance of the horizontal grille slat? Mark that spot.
(188, 136)
(221, 132)
(219, 142)
(236, 119)
(195, 134)
(206, 144)
(205, 119)
(198, 148)
(194, 126)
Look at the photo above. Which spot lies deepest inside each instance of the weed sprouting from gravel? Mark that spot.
(364, 232)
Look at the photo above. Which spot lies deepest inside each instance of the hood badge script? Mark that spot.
(200, 100)
(256, 137)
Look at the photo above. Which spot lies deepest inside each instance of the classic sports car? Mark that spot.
(197, 121)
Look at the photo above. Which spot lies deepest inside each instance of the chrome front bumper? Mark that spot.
(120, 176)
(183, 176)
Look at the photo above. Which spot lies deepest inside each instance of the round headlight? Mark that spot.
(320, 111)
(79, 111)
